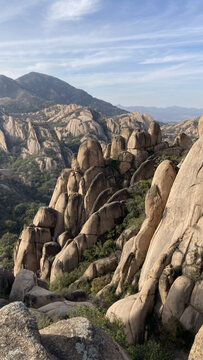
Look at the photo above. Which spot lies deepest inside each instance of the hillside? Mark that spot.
(35, 91)
(49, 136)
(189, 127)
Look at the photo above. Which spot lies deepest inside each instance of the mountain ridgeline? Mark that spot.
(35, 91)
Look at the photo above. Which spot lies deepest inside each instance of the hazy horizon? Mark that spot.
(132, 52)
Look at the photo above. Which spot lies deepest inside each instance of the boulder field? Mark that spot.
(167, 251)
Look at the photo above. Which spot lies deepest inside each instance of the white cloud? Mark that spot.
(73, 9)
(170, 58)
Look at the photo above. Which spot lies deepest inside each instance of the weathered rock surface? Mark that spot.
(49, 251)
(98, 268)
(19, 336)
(137, 140)
(177, 299)
(101, 221)
(126, 161)
(38, 297)
(28, 250)
(117, 146)
(98, 184)
(177, 241)
(73, 182)
(3, 145)
(183, 141)
(88, 177)
(60, 309)
(63, 238)
(60, 208)
(79, 339)
(61, 187)
(200, 126)
(196, 353)
(183, 210)
(45, 217)
(155, 133)
(90, 154)
(24, 282)
(145, 171)
(134, 251)
(33, 144)
(74, 215)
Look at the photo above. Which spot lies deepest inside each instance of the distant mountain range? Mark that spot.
(172, 114)
(35, 91)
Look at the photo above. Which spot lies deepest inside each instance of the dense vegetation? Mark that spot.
(23, 189)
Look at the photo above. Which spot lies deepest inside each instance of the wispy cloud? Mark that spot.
(73, 9)
(170, 58)
(171, 74)
(10, 10)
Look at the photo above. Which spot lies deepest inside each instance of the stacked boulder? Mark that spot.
(171, 279)
(131, 146)
(85, 204)
(87, 201)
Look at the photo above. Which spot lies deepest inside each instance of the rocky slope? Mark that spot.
(49, 136)
(91, 199)
(188, 127)
(35, 147)
(35, 91)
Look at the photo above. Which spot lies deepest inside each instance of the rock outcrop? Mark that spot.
(101, 221)
(19, 335)
(135, 249)
(90, 154)
(80, 339)
(176, 244)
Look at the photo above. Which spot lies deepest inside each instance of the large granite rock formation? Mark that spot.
(173, 264)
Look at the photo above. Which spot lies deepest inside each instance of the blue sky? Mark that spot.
(130, 52)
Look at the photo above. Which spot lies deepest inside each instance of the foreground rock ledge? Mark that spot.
(19, 335)
(79, 339)
(72, 339)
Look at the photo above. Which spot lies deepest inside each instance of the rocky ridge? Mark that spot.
(49, 135)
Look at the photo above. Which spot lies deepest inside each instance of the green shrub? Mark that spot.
(136, 205)
(174, 159)
(100, 250)
(133, 287)
(7, 243)
(62, 282)
(150, 350)
(44, 321)
(104, 301)
(173, 335)
(98, 283)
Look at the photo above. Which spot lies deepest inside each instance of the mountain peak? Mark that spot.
(56, 91)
